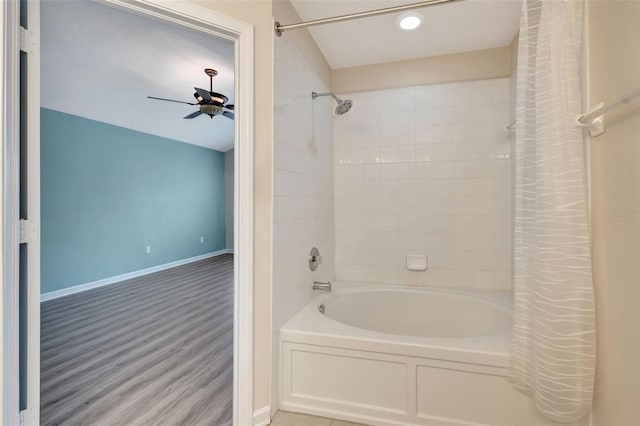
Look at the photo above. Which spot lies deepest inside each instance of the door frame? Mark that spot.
(9, 27)
(187, 15)
(10, 228)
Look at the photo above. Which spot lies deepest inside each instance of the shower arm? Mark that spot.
(315, 95)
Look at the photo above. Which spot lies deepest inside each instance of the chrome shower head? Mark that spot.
(343, 106)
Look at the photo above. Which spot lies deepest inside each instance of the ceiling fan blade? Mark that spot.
(193, 114)
(203, 94)
(229, 115)
(230, 107)
(171, 100)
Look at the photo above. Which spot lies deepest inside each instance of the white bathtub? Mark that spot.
(403, 356)
(420, 312)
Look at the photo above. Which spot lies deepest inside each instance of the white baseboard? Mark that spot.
(587, 420)
(118, 278)
(350, 417)
(262, 417)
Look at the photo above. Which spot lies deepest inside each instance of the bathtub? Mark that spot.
(387, 355)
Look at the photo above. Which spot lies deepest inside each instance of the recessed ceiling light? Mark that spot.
(410, 20)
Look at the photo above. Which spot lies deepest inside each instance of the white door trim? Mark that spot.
(2, 130)
(242, 34)
(9, 36)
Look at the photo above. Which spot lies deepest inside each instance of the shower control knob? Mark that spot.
(314, 259)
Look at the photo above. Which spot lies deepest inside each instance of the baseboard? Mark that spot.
(587, 420)
(262, 417)
(118, 278)
(349, 417)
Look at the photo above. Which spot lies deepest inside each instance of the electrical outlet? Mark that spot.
(148, 249)
(202, 239)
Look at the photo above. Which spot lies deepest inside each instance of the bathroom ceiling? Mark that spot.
(101, 63)
(448, 28)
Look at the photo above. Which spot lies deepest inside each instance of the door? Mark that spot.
(22, 215)
(29, 193)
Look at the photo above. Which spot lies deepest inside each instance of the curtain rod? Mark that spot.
(589, 116)
(279, 29)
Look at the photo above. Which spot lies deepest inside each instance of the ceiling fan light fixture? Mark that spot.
(211, 109)
(410, 20)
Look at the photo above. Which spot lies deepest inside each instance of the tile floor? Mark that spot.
(284, 418)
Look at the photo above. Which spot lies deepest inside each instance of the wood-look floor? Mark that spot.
(153, 350)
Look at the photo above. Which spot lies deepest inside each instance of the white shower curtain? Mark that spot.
(553, 342)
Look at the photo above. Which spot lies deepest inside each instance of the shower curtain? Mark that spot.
(553, 342)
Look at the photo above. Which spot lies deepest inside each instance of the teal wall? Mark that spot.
(108, 192)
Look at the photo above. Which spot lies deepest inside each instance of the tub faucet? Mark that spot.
(319, 285)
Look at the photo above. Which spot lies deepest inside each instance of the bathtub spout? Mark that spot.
(319, 285)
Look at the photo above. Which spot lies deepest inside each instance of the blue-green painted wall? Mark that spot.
(108, 192)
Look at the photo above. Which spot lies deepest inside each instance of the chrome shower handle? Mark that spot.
(314, 259)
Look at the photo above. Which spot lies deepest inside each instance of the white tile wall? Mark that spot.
(425, 170)
(303, 181)
(303, 188)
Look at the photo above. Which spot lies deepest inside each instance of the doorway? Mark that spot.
(21, 363)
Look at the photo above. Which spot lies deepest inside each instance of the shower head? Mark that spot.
(343, 106)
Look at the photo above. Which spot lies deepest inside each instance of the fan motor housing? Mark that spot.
(218, 98)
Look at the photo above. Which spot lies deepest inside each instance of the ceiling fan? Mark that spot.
(211, 103)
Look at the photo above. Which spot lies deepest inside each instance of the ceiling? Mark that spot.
(101, 63)
(448, 28)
